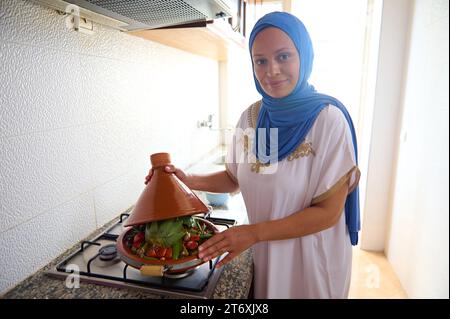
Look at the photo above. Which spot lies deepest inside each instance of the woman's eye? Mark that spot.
(283, 56)
(260, 61)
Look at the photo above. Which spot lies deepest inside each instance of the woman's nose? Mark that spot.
(273, 68)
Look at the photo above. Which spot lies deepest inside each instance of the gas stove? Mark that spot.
(97, 262)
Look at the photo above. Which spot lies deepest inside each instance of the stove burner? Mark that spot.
(108, 252)
(104, 256)
(100, 263)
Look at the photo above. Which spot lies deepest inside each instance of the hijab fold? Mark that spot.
(295, 114)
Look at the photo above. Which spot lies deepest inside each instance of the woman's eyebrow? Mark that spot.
(276, 51)
(282, 49)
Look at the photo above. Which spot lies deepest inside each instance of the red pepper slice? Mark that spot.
(160, 251)
(168, 253)
(151, 252)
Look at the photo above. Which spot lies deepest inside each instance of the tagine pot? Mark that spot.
(165, 196)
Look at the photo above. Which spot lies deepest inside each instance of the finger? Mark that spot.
(149, 176)
(216, 254)
(214, 251)
(170, 168)
(225, 260)
(210, 242)
(211, 249)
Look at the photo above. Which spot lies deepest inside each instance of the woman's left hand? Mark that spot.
(233, 240)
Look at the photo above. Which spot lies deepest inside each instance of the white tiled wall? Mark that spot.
(79, 116)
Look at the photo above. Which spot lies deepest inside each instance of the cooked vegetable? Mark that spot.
(164, 233)
(176, 249)
(168, 239)
(195, 237)
(191, 244)
(139, 237)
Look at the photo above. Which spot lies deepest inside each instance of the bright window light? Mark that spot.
(337, 29)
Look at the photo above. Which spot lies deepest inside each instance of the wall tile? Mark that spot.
(29, 23)
(40, 171)
(40, 90)
(33, 244)
(113, 198)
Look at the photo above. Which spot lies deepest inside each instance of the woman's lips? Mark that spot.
(275, 84)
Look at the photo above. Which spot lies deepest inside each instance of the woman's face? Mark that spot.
(276, 62)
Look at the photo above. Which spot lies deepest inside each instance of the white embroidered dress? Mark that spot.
(313, 266)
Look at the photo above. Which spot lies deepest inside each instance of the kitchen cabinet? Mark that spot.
(215, 38)
(212, 40)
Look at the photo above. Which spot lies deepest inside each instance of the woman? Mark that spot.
(295, 189)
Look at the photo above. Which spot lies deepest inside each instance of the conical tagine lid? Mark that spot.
(164, 197)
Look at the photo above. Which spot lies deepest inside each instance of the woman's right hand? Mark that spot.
(170, 169)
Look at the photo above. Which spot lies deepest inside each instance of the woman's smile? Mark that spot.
(277, 84)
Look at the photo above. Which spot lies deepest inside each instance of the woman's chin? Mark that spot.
(277, 93)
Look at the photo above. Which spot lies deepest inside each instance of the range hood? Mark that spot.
(133, 15)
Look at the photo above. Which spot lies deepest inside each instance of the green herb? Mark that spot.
(133, 232)
(164, 233)
(177, 247)
(205, 236)
(203, 230)
(189, 221)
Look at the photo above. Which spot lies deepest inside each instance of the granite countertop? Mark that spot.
(234, 282)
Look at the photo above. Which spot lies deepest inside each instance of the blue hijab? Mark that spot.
(294, 115)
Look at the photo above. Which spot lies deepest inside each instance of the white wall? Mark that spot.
(241, 85)
(418, 242)
(393, 48)
(79, 116)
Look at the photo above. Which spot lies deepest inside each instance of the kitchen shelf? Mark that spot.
(212, 41)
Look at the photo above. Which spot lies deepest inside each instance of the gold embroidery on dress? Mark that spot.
(256, 167)
(254, 111)
(304, 149)
(246, 144)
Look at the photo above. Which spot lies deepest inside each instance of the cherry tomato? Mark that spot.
(191, 245)
(139, 237)
(137, 244)
(195, 237)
